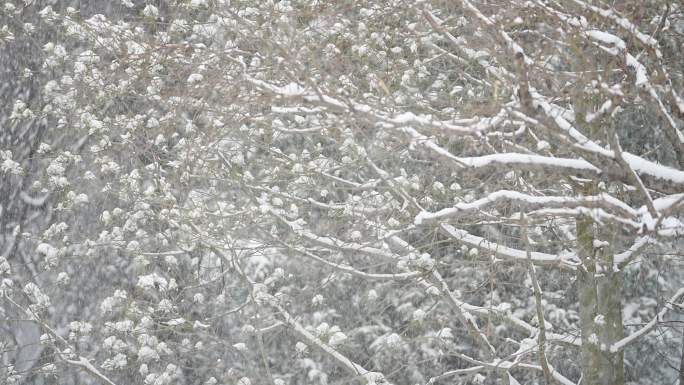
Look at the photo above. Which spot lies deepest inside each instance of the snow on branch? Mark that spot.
(531, 162)
(461, 45)
(469, 311)
(655, 175)
(620, 260)
(527, 201)
(368, 377)
(620, 345)
(361, 274)
(569, 262)
(388, 120)
(624, 23)
(63, 354)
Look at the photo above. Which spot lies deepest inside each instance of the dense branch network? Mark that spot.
(415, 191)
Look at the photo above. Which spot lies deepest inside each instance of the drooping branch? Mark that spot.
(526, 201)
(623, 343)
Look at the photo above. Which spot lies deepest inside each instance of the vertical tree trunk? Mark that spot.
(681, 364)
(610, 328)
(600, 309)
(588, 304)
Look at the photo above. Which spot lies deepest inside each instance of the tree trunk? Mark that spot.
(611, 330)
(600, 311)
(681, 364)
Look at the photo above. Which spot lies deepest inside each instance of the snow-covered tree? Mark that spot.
(300, 191)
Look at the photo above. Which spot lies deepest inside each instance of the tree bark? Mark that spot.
(611, 330)
(681, 363)
(600, 313)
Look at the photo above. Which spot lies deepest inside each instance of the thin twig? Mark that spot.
(541, 336)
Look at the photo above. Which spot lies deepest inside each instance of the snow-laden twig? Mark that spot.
(666, 178)
(569, 262)
(621, 260)
(557, 376)
(605, 201)
(464, 315)
(85, 364)
(514, 48)
(457, 372)
(505, 366)
(360, 373)
(628, 26)
(642, 81)
(359, 209)
(617, 150)
(541, 337)
(471, 54)
(391, 120)
(619, 49)
(659, 176)
(507, 160)
(350, 270)
(489, 311)
(620, 345)
(80, 361)
(599, 215)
